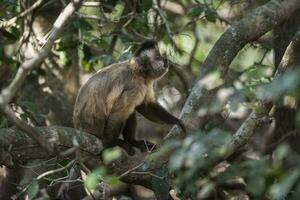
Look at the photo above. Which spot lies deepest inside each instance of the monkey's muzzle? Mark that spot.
(166, 63)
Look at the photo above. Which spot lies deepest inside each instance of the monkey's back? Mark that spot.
(108, 98)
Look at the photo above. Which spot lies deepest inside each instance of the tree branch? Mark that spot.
(17, 146)
(29, 130)
(249, 28)
(8, 93)
(255, 119)
(13, 20)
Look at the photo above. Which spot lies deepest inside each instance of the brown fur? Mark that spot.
(106, 104)
(110, 96)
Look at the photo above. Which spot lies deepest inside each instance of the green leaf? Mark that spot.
(195, 12)
(65, 45)
(15, 31)
(94, 178)
(282, 152)
(3, 122)
(146, 4)
(257, 71)
(256, 184)
(286, 84)
(101, 43)
(33, 190)
(24, 116)
(255, 106)
(177, 161)
(298, 119)
(210, 15)
(111, 154)
(83, 24)
(140, 23)
(280, 190)
(296, 193)
(85, 65)
(113, 181)
(160, 185)
(30, 106)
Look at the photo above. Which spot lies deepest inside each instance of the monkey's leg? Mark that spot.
(156, 113)
(111, 133)
(129, 132)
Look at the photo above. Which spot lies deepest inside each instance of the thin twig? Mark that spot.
(13, 20)
(149, 173)
(131, 170)
(8, 93)
(55, 170)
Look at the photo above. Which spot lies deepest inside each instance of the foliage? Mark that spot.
(186, 30)
(193, 163)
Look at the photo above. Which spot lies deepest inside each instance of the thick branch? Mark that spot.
(249, 28)
(255, 119)
(18, 146)
(15, 145)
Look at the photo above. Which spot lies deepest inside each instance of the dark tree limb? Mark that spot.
(17, 146)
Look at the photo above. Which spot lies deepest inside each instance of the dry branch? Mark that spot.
(13, 20)
(8, 93)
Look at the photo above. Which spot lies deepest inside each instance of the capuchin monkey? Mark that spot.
(106, 105)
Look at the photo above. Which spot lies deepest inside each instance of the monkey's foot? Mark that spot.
(121, 143)
(126, 146)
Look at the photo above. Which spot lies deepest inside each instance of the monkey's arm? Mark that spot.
(156, 113)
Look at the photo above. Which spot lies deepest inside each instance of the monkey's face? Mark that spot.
(153, 64)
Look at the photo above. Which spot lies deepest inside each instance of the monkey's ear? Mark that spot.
(148, 44)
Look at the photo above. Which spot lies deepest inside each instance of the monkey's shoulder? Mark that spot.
(115, 68)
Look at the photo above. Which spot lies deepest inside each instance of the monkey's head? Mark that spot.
(151, 64)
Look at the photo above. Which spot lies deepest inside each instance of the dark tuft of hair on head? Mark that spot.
(148, 44)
